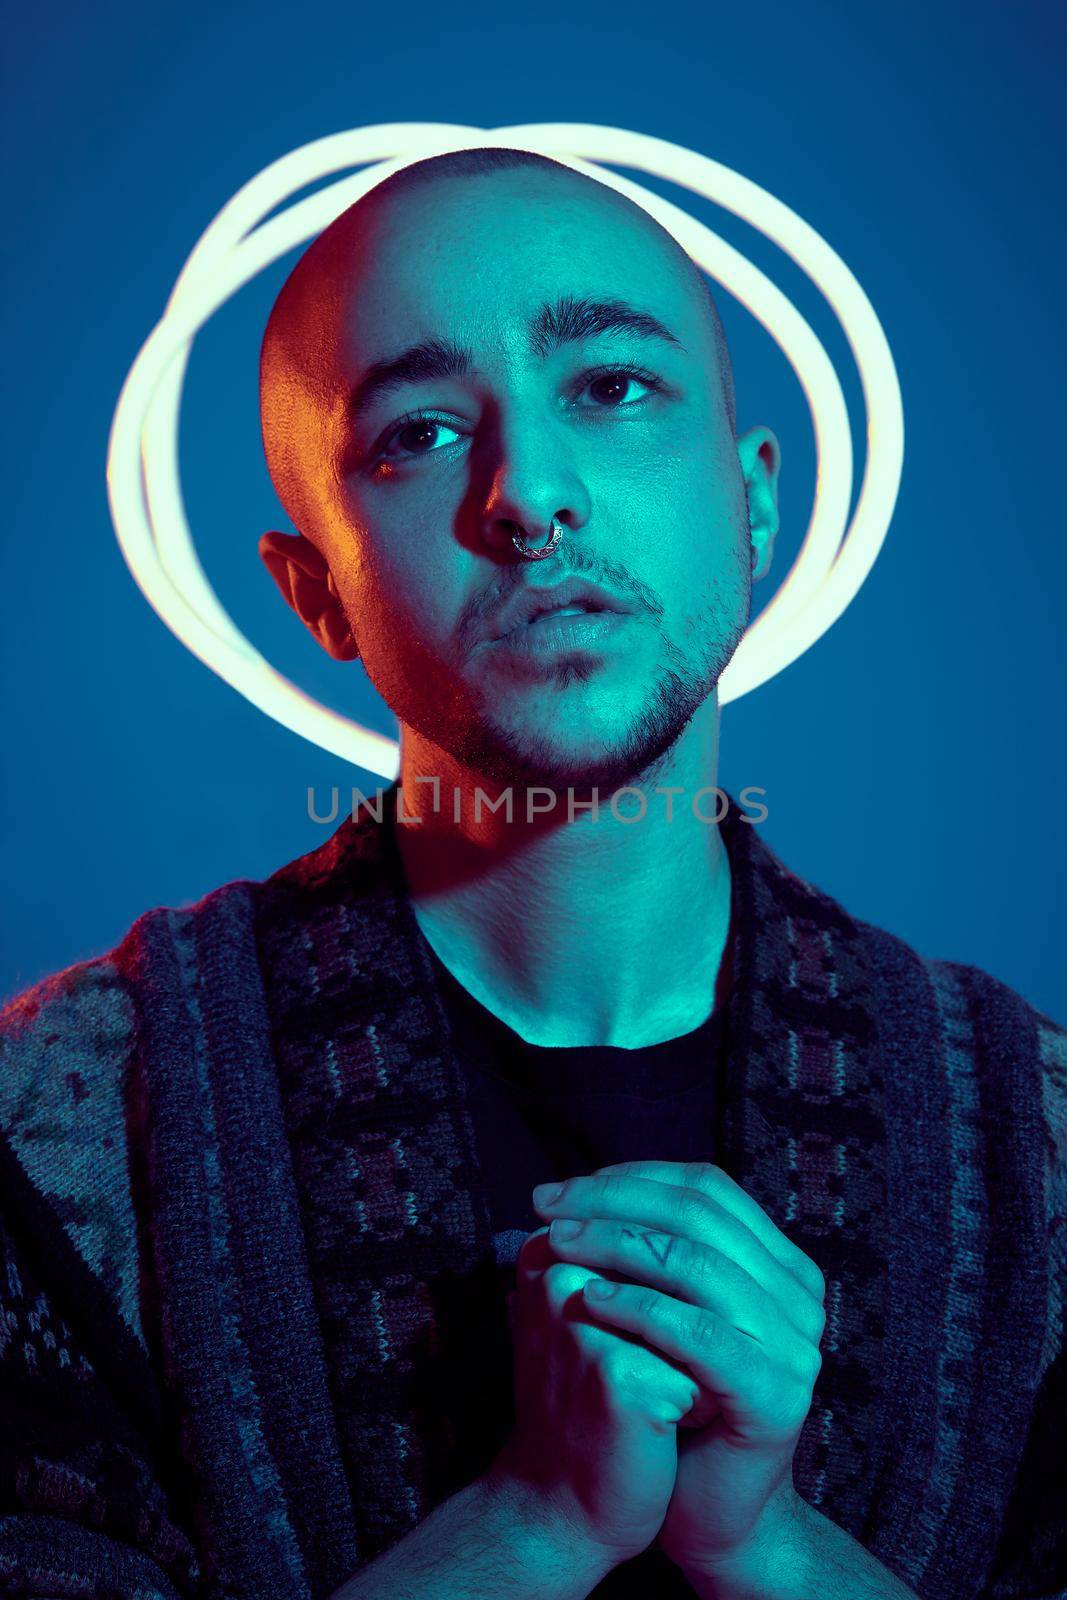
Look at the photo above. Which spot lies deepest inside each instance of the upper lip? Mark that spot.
(529, 603)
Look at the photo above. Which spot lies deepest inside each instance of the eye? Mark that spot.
(419, 425)
(619, 378)
(414, 427)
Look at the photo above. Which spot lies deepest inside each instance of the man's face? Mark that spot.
(624, 438)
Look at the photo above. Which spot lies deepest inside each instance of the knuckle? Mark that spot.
(691, 1258)
(699, 1212)
(706, 1333)
(796, 1410)
(700, 1175)
(649, 1306)
(815, 1279)
(611, 1183)
(804, 1369)
(809, 1273)
(623, 1373)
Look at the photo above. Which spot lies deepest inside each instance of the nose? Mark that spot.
(536, 495)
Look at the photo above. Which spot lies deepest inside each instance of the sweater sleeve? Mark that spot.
(92, 1500)
(1031, 1558)
(82, 1512)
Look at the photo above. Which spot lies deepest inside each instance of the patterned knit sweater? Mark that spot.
(246, 1267)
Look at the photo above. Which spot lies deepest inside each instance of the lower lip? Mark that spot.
(554, 635)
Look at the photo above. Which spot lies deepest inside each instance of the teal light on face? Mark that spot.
(835, 556)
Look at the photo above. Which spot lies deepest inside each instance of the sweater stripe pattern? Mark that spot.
(243, 1217)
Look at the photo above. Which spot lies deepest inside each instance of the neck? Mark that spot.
(605, 929)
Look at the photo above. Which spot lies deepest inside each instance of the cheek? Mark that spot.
(713, 581)
(400, 612)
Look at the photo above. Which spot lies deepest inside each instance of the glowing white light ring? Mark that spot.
(833, 561)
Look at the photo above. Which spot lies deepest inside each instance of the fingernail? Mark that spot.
(546, 1194)
(564, 1228)
(600, 1288)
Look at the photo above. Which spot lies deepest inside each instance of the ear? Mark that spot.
(307, 586)
(761, 457)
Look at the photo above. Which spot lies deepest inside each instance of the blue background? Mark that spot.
(914, 758)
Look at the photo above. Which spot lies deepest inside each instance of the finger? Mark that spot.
(759, 1397)
(685, 1268)
(691, 1213)
(629, 1364)
(662, 1388)
(719, 1187)
(559, 1281)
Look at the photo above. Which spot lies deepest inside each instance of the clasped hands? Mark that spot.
(696, 1269)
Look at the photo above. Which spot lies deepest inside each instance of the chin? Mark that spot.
(548, 764)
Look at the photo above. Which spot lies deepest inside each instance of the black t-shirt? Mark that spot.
(543, 1112)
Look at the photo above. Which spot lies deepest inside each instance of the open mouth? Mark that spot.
(577, 610)
(574, 627)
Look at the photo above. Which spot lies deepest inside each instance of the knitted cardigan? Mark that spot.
(246, 1247)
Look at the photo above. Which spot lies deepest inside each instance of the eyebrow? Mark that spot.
(566, 321)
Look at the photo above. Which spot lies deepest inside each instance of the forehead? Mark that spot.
(474, 259)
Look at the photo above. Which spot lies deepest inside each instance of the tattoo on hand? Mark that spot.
(659, 1243)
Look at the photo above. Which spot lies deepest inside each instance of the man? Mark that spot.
(284, 1314)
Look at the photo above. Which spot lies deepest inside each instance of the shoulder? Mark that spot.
(1016, 1056)
(978, 1027)
(1003, 1014)
(66, 1043)
(1006, 1015)
(66, 1039)
(984, 1017)
(1003, 1017)
(70, 1044)
(73, 1044)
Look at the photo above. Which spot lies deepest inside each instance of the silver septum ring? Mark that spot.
(546, 550)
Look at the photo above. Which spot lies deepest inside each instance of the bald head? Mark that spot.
(321, 328)
(493, 159)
